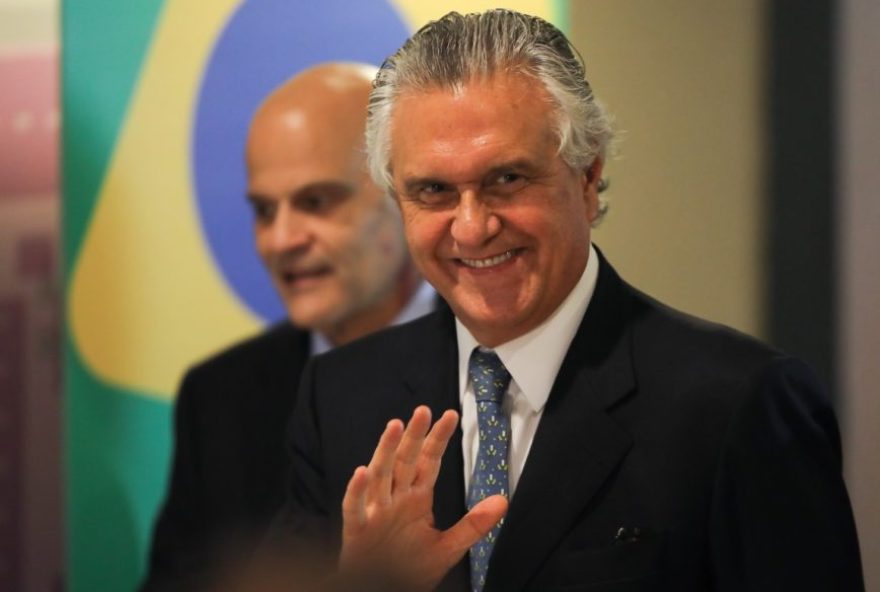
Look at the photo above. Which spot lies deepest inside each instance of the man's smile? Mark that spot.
(299, 277)
(488, 261)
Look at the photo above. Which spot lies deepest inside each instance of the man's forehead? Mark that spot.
(482, 127)
(507, 94)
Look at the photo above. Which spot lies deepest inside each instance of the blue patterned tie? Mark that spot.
(489, 378)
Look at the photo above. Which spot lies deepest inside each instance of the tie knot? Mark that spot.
(488, 376)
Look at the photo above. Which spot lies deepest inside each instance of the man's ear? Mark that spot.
(593, 177)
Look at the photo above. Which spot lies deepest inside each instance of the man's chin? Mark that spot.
(491, 326)
(313, 313)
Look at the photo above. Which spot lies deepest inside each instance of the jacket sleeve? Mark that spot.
(780, 517)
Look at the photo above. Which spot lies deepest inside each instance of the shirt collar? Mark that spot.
(534, 359)
(421, 303)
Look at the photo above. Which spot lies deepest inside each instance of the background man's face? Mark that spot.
(329, 238)
(494, 218)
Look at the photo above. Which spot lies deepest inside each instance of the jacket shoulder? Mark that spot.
(402, 342)
(280, 340)
(274, 359)
(674, 338)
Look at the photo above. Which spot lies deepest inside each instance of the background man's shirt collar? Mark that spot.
(419, 305)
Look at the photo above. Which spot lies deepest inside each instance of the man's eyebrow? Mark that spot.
(334, 186)
(330, 185)
(256, 197)
(519, 164)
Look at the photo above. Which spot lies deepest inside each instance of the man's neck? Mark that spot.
(379, 316)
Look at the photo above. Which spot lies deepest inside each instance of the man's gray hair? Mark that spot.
(456, 49)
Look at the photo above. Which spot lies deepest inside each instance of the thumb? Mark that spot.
(476, 524)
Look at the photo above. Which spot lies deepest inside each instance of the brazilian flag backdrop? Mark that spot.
(159, 266)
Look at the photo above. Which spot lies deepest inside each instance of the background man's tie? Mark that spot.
(489, 378)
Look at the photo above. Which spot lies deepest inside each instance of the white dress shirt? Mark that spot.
(533, 361)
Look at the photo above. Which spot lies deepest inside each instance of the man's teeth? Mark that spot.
(489, 261)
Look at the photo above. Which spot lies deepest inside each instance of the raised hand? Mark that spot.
(388, 522)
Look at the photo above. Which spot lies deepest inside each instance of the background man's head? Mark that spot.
(487, 132)
(329, 237)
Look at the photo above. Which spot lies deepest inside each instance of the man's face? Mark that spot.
(494, 218)
(329, 238)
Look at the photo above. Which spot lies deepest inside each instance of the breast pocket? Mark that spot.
(620, 567)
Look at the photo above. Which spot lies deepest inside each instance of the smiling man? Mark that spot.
(332, 243)
(606, 442)
(490, 211)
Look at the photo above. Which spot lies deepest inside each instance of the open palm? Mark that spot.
(388, 521)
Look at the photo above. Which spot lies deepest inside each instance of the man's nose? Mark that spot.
(289, 232)
(475, 222)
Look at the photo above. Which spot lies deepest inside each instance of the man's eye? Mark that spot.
(434, 194)
(506, 183)
(312, 203)
(264, 213)
(434, 188)
(508, 178)
(321, 201)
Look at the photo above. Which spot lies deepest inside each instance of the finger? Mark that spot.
(474, 525)
(410, 446)
(433, 449)
(354, 514)
(382, 463)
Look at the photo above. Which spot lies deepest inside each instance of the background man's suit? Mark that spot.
(229, 468)
(672, 454)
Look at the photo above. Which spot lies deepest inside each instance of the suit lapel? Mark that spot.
(432, 379)
(577, 445)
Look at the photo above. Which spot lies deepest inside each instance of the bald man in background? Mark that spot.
(332, 243)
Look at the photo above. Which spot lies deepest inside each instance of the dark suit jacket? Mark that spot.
(672, 454)
(229, 466)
